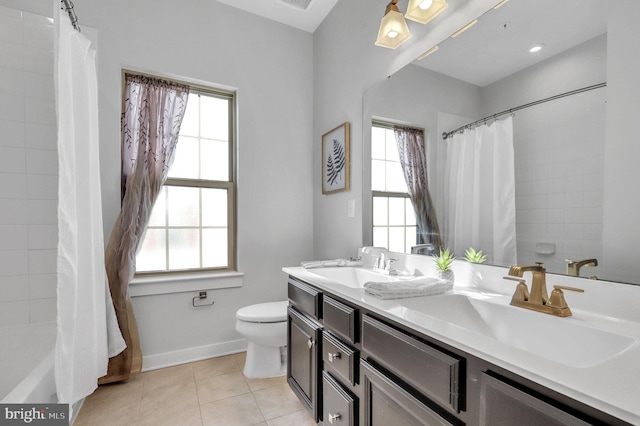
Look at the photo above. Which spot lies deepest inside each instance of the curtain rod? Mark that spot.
(68, 6)
(446, 135)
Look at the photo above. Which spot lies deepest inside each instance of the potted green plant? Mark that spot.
(474, 256)
(443, 263)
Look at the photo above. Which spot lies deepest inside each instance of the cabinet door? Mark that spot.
(385, 403)
(340, 407)
(303, 353)
(503, 404)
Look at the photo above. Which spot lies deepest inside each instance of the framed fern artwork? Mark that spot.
(335, 159)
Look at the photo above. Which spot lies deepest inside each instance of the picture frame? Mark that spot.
(335, 160)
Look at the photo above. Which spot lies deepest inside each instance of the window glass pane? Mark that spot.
(377, 175)
(214, 207)
(396, 212)
(395, 178)
(190, 124)
(214, 160)
(184, 206)
(185, 157)
(392, 146)
(214, 118)
(380, 236)
(214, 248)
(396, 239)
(377, 143)
(152, 255)
(184, 248)
(380, 211)
(410, 213)
(159, 212)
(411, 238)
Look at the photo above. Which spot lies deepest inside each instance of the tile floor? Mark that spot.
(209, 392)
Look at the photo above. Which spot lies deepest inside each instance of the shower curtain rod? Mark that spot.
(446, 135)
(68, 6)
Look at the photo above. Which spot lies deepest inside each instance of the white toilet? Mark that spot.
(265, 327)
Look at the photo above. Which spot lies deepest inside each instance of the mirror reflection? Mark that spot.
(525, 186)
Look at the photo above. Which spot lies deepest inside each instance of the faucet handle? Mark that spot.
(556, 298)
(522, 291)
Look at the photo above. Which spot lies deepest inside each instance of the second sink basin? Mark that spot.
(563, 340)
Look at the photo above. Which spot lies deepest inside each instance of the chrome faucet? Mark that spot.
(426, 248)
(383, 264)
(538, 299)
(573, 266)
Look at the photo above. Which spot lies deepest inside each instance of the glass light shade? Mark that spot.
(418, 14)
(393, 30)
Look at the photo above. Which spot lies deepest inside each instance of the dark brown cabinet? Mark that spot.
(384, 402)
(351, 366)
(428, 369)
(504, 404)
(340, 407)
(304, 344)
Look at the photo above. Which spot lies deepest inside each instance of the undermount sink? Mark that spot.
(356, 277)
(563, 340)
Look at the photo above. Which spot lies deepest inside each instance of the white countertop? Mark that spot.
(612, 386)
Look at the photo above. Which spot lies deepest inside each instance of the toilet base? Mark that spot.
(265, 361)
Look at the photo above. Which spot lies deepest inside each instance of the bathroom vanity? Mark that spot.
(462, 358)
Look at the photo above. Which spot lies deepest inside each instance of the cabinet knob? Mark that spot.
(309, 343)
(334, 417)
(333, 357)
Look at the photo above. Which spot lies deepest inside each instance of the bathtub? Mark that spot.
(26, 371)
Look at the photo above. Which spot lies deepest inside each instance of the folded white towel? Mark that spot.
(330, 263)
(422, 286)
(323, 263)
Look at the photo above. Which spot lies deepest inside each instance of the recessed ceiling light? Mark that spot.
(536, 48)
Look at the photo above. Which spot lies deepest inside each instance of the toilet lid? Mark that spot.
(264, 312)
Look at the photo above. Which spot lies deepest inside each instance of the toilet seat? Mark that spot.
(264, 312)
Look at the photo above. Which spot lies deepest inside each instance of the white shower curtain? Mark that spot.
(87, 330)
(480, 209)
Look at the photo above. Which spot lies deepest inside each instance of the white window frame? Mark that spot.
(387, 194)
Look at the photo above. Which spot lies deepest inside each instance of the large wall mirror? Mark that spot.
(559, 144)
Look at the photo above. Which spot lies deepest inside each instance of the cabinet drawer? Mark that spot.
(426, 368)
(306, 298)
(501, 403)
(340, 318)
(339, 406)
(385, 403)
(339, 357)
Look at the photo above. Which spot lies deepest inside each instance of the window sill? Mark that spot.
(149, 286)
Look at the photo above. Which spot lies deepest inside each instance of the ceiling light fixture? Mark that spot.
(536, 48)
(463, 29)
(424, 11)
(428, 52)
(393, 28)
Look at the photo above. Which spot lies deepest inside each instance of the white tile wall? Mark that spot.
(559, 179)
(28, 169)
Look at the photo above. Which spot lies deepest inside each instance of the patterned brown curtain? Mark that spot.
(414, 165)
(153, 112)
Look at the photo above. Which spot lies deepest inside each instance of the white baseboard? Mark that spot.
(169, 359)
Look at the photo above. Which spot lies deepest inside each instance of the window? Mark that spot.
(394, 221)
(192, 223)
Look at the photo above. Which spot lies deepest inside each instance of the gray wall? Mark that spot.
(271, 67)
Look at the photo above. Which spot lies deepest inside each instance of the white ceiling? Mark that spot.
(283, 12)
(497, 46)
(488, 51)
